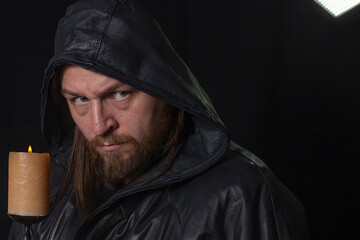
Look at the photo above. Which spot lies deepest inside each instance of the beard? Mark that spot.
(131, 160)
(120, 166)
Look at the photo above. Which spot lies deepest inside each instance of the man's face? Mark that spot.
(124, 126)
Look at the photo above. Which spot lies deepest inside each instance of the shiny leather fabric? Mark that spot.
(214, 190)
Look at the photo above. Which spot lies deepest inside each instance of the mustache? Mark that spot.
(109, 140)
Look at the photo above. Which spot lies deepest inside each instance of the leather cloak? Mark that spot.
(214, 190)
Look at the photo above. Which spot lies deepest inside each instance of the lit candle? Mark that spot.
(29, 188)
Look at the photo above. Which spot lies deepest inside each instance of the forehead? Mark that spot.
(75, 78)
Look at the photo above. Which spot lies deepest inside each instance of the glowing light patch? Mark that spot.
(338, 7)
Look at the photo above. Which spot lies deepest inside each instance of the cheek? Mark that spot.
(85, 129)
(136, 124)
(83, 124)
(139, 123)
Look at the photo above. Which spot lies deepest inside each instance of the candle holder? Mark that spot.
(27, 221)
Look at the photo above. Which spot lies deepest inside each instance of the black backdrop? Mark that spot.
(282, 75)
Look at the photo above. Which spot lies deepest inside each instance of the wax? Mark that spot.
(29, 188)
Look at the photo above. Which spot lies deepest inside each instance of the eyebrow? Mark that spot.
(64, 91)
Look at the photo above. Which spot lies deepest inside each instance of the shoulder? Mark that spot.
(233, 177)
(240, 195)
(233, 171)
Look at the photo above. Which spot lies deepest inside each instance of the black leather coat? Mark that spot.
(214, 190)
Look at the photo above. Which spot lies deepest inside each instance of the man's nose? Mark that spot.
(103, 120)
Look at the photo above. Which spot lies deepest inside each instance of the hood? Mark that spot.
(119, 39)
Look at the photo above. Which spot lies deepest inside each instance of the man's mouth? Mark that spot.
(110, 147)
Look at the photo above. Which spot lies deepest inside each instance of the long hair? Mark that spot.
(85, 177)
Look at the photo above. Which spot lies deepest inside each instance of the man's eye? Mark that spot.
(119, 95)
(80, 100)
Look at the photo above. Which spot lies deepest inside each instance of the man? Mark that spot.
(149, 157)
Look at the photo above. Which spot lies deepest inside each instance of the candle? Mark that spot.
(29, 188)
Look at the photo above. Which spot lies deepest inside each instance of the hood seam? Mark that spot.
(105, 31)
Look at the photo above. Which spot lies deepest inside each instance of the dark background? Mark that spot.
(283, 75)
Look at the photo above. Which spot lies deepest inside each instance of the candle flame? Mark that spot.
(30, 149)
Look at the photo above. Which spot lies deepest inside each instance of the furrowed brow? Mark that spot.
(67, 92)
(101, 93)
